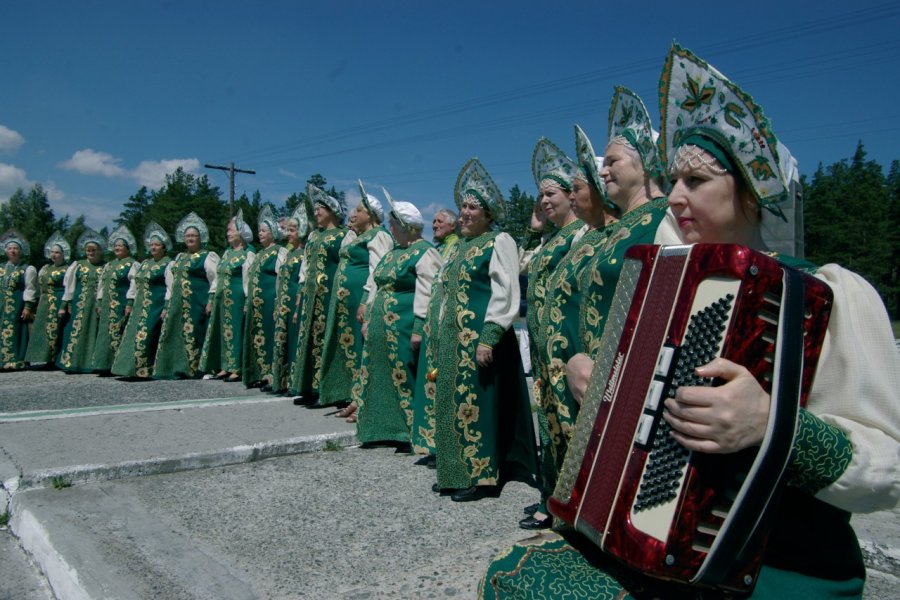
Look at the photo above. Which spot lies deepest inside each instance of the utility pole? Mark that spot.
(231, 171)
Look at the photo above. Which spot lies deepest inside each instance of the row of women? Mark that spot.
(728, 174)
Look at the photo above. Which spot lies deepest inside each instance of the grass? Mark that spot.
(895, 325)
(4, 518)
(332, 446)
(60, 483)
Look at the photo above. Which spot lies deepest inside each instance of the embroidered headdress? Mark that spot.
(317, 195)
(549, 163)
(241, 226)
(122, 233)
(371, 203)
(300, 217)
(267, 217)
(154, 231)
(590, 163)
(89, 237)
(630, 122)
(701, 107)
(59, 241)
(405, 213)
(14, 237)
(192, 219)
(475, 182)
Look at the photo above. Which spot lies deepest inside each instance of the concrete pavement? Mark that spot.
(172, 500)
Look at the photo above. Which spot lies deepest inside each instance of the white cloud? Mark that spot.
(10, 140)
(98, 212)
(13, 178)
(91, 162)
(152, 173)
(287, 173)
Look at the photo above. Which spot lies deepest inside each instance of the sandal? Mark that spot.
(346, 411)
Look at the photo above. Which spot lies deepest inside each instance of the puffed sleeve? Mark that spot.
(132, 286)
(531, 245)
(426, 269)
(282, 256)
(30, 293)
(348, 237)
(380, 245)
(70, 282)
(100, 286)
(503, 307)
(856, 393)
(245, 271)
(210, 265)
(668, 233)
(170, 277)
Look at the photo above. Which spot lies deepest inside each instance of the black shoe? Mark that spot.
(429, 460)
(476, 492)
(302, 400)
(532, 508)
(402, 448)
(442, 491)
(531, 522)
(266, 388)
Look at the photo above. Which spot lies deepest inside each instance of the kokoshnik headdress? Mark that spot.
(549, 163)
(474, 181)
(698, 103)
(122, 233)
(590, 163)
(89, 237)
(190, 220)
(405, 213)
(316, 195)
(14, 237)
(58, 240)
(630, 121)
(154, 231)
(267, 217)
(242, 228)
(301, 218)
(371, 203)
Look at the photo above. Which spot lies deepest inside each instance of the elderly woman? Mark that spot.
(443, 230)
(43, 343)
(554, 174)
(484, 435)
(288, 286)
(223, 345)
(259, 327)
(396, 316)
(17, 298)
(189, 292)
(115, 281)
(79, 302)
(343, 343)
(146, 299)
(725, 169)
(316, 279)
(632, 175)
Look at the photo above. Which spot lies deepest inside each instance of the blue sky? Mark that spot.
(100, 97)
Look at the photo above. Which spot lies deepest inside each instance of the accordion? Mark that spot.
(626, 484)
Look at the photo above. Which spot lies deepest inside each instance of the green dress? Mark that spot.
(343, 342)
(322, 258)
(422, 430)
(224, 333)
(599, 280)
(43, 344)
(80, 331)
(14, 297)
(137, 352)
(558, 319)
(285, 328)
(388, 371)
(259, 325)
(483, 425)
(184, 326)
(114, 283)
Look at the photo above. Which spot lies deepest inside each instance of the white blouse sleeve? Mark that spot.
(348, 237)
(210, 265)
(245, 271)
(668, 233)
(99, 294)
(380, 245)
(426, 270)
(856, 390)
(30, 293)
(282, 256)
(170, 277)
(70, 281)
(132, 287)
(503, 307)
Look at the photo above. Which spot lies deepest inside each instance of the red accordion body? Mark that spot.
(626, 484)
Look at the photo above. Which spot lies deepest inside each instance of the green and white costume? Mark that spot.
(44, 341)
(112, 299)
(80, 299)
(17, 291)
(223, 344)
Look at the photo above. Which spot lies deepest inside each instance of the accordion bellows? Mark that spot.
(626, 484)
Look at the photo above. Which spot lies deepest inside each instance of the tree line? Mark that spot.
(851, 215)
